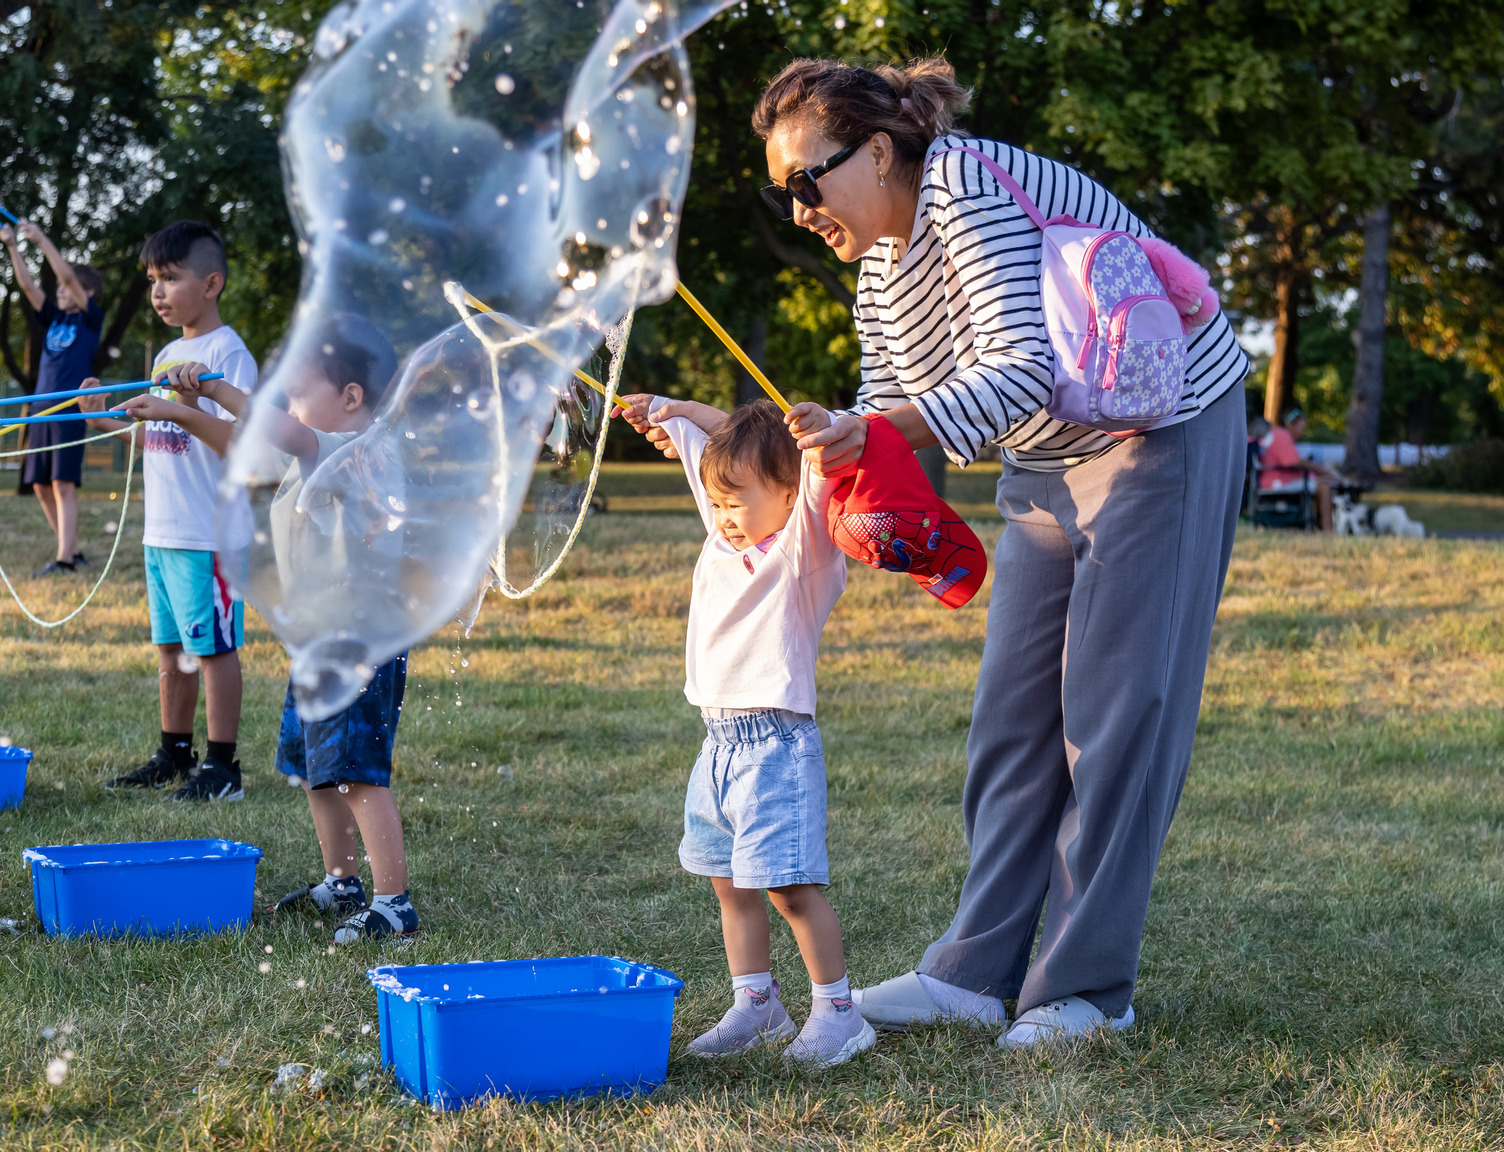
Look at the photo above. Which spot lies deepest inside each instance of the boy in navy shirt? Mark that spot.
(73, 321)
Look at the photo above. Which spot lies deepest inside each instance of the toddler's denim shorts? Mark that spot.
(755, 809)
(353, 746)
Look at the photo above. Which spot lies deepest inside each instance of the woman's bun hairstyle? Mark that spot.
(912, 104)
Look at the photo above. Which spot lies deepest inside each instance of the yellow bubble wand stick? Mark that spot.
(733, 348)
(710, 322)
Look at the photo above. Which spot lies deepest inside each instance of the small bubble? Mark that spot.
(263, 967)
(378, 237)
(57, 1071)
(365, 1029)
(504, 83)
(344, 788)
(268, 949)
(396, 204)
(188, 663)
(301, 983)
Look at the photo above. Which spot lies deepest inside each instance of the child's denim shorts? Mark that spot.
(755, 809)
(350, 747)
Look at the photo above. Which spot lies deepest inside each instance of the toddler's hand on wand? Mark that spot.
(636, 414)
(806, 419)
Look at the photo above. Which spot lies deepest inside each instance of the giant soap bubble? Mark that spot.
(535, 154)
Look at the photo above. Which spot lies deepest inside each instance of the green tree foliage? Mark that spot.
(118, 119)
(1254, 133)
(1427, 399)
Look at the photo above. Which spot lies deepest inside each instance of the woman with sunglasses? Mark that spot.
(1106, 579)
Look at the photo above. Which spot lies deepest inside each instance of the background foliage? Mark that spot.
(1254, 133)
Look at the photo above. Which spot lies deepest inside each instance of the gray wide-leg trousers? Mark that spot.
(1105, 588)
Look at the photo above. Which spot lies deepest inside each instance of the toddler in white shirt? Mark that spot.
(754, 815)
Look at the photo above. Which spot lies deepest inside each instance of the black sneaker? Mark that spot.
(344, 899)
(157, 772)
(54, 568)
(372, 924)
(212, 780)
(80, 560)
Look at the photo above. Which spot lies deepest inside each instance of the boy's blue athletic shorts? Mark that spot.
(755, 807)
(350, 747)
(190, 603)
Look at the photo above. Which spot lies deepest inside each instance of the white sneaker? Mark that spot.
(751, 1022)
(905, 1002)
(833, 1034)
(1059, 1021)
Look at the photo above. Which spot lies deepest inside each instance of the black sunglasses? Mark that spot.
(803, 184)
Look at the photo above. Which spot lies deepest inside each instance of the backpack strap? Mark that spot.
(1000, 174)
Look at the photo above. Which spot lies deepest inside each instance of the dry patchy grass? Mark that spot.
(1323, 962)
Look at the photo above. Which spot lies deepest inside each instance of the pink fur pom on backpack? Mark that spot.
(1187, 284)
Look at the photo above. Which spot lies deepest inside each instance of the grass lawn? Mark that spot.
(1325, 952)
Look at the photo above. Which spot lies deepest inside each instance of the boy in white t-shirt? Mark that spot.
(196, 622)
(754, 813)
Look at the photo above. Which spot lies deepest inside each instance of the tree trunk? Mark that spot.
(933, 461)
(1279, 389)
(125, 312)
(1362, 461)
(756, 347)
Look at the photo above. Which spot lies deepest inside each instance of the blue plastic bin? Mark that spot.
(13, 765)
(531, 1029)
(156, 888)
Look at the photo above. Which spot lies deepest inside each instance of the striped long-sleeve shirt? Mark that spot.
(957, 325)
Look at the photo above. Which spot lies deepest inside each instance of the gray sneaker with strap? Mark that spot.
(755, 1019)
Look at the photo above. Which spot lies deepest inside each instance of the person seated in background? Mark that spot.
(1283, 469)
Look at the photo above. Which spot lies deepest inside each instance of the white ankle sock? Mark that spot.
(963, 1001)
(754, 991)
(836, 989)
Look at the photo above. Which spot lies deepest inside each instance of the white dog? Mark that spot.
(1393, 520)
(1353, 518)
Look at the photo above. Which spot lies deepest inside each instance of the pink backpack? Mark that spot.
(1118, 337)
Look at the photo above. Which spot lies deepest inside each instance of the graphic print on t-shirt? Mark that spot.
(60, 335)
(164, 435)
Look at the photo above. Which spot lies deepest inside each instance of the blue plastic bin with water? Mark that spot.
(530, 1029)
(156, 888)
(13, 764)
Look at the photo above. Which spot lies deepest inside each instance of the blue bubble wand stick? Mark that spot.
(8, 216)
(46, 416)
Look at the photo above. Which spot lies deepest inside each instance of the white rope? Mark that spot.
(617, 342)
(119, 532)
(59, 447)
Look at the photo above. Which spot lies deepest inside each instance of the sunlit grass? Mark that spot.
(1324, 960)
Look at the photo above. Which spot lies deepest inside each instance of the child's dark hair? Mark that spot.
(190, 243)
(349, 349)
(89, 279)
(756, 440)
